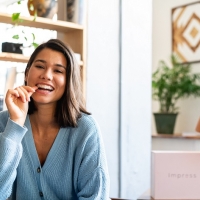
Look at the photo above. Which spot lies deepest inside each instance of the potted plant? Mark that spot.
(26, 40)
(46, 9)
(169, 84)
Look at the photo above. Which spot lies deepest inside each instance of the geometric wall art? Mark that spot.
(186, 32)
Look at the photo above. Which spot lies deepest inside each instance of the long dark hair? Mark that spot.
(70, 106)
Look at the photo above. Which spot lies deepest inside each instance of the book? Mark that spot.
(62, 10)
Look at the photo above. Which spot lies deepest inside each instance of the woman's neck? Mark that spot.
(43, 120)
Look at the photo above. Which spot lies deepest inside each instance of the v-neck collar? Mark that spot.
(32, 148)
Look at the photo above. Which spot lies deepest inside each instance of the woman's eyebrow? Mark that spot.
(40, 60)
(43, 61)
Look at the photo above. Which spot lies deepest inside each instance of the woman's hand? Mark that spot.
(17, 102)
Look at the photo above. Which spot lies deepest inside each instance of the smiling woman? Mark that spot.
(47, 137)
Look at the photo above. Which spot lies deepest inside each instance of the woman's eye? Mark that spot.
(39, 66)
(58, 71)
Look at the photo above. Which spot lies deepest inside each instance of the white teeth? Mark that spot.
(46, 87)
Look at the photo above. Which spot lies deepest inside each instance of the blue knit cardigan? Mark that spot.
(75, 167)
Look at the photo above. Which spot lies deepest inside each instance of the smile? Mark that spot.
(45, 87)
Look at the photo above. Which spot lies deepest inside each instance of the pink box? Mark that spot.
(175, 175)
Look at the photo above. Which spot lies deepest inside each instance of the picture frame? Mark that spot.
(186, 32)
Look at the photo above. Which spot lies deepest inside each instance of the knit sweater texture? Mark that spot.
(75, 167)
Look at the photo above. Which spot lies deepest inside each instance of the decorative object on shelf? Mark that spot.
(169, 84)
(23, 36)
(11, 47)
(75, 11)
(43, 8)
(186, 32)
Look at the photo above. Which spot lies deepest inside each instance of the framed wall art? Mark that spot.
(186, 32)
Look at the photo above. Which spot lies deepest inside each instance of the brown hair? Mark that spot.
(71, 104)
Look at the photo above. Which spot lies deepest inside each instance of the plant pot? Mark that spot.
(43, 8)
(165, 122)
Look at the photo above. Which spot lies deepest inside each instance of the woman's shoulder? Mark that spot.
(87, 125)
(87, 120)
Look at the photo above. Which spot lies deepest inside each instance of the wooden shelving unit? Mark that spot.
(70, 33)
(13, 57)
(41, 22)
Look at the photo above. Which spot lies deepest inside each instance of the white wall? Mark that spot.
(136, 96)
(189, 111)
(103, 89)
(102, 77)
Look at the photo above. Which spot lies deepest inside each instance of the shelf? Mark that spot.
(70, 33)
(44, 23)
(14, 57)
(176, 136)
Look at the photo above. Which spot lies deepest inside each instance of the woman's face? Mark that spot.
(48, 73)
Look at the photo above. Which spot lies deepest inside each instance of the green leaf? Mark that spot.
(15, 37)
(35, 45)
(33, 36)
(15, 17)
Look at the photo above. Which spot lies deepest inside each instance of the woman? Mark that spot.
(50, 146)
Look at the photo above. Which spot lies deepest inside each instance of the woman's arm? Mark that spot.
(11, 135)
(93, 177)
(10, 154)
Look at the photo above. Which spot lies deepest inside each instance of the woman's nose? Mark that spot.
(47, 74)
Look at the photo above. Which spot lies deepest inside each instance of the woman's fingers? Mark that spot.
(17, 102)
(13, 92)
(25, 92)
(33, 89)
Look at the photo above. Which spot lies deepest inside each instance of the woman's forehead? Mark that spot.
(50, 55)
